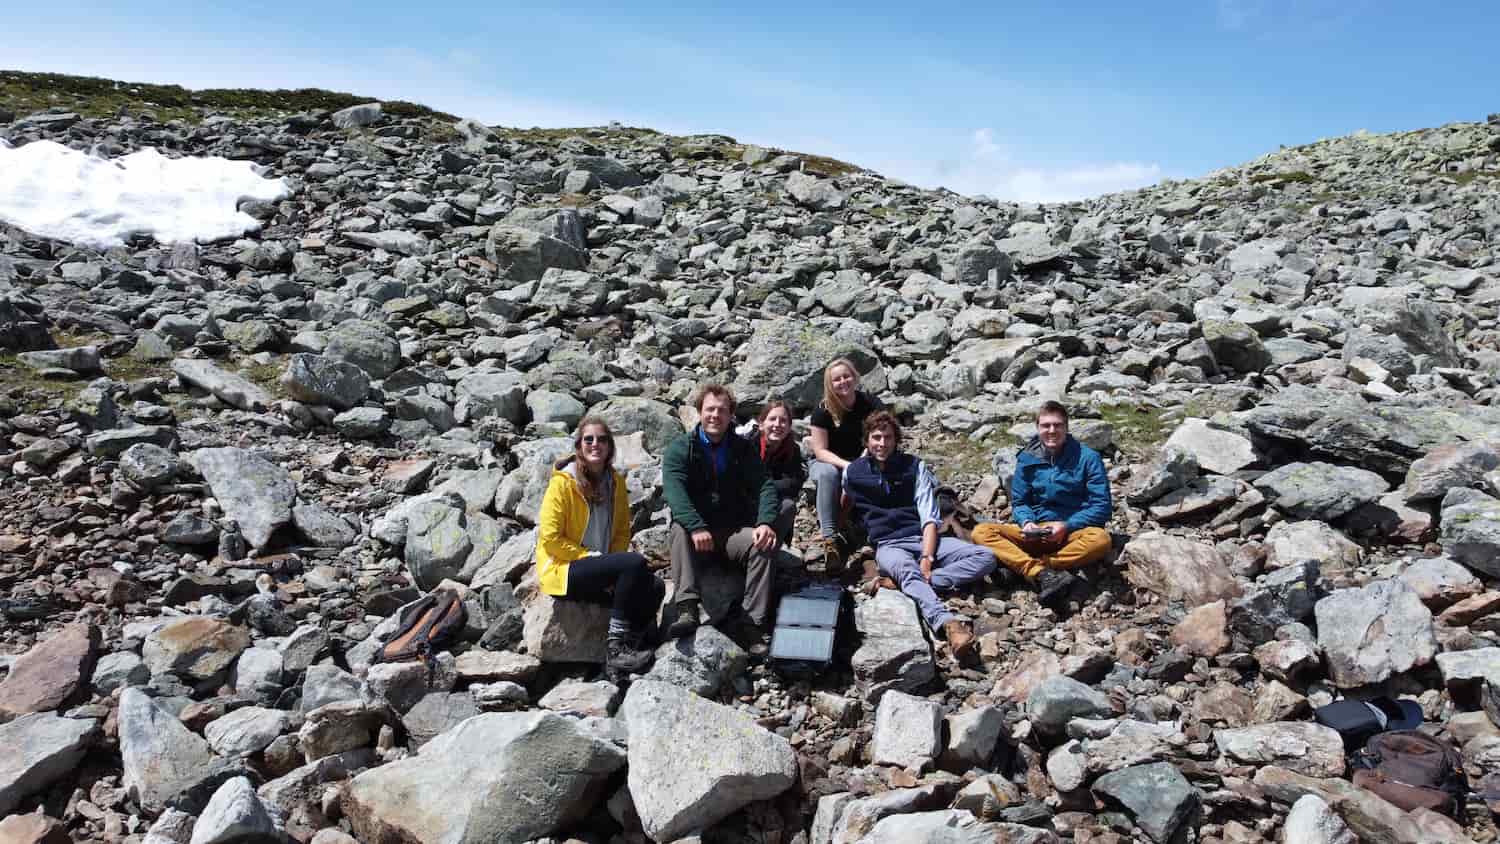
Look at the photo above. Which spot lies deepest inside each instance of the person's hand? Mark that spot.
(765, 538)
(926, 565)
(703, 541)
(1059, 532)
(1028, 527)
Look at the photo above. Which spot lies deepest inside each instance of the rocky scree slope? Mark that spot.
(227, 466)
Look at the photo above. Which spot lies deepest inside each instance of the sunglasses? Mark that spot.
(590, 439)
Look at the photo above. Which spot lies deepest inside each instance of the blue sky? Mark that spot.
(1033, 101)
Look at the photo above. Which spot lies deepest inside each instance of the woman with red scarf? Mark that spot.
(783, 461)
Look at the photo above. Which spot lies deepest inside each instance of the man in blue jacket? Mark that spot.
(1059, 500)
(895, 496)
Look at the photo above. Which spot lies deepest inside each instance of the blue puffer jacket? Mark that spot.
(1073, 488)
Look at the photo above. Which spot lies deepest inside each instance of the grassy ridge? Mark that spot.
(24, 92)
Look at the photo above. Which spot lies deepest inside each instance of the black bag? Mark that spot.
(426, 627)
(1412, 770)
(1357, 720)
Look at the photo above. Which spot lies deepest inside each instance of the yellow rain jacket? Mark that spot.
(560, 527)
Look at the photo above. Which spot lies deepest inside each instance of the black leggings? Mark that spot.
(636, 591)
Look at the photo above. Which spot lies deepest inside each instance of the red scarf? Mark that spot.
(766, 456)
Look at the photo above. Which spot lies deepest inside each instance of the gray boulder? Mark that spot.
(1370, 633)
(234, 390)
(371, 346)
(1301, 746)
(1213, 450)
(1235, 345)
(1320, 491)
(437, 541)
(235, 815)
(814, 193)
(165, 764)
(254, 492)
(571, 292)
(1157, 796)
(706, 662)
(523, 776)
(1058, 700)
(894, 652)
(521, 254)
(565, 631)
(485, 394)
(694, 762)
(656, 421)
(322, 527)
(40, 749)
(316, 379)
(908, 731)
(1471, 530)
(785, 357)
(355, 116)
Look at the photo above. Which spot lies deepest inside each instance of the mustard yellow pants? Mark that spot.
(1030, 557)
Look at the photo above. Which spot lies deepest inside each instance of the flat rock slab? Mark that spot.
(1300, 746)
(908, 731)
(1216, 451)
(1320, 491)
(254, 492)
(40, 749)
(694, 762)
(234, 390)
(49, 674)
(1369, 634)
(523, 775)
(894, 652)
(197, 647)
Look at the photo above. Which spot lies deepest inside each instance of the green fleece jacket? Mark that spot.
(741, 496)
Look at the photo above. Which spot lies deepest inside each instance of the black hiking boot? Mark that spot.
(624, 659)
(686, 621)
(1053, 588)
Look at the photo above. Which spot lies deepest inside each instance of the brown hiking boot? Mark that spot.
(833, 556)
(875, 584)
(960, 641)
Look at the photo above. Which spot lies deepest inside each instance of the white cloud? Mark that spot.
(986, 165)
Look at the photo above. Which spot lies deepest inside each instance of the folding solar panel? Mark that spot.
(806, 627)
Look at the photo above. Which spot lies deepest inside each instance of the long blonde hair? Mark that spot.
(831, 401)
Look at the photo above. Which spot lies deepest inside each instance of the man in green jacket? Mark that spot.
(724, 506)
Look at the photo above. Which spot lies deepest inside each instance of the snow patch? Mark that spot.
(52, 191)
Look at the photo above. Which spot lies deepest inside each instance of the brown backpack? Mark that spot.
(426, 627)
(1411, 769)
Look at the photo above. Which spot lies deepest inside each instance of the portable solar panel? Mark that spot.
(806, 627)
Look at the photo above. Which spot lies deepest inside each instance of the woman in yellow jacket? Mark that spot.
(583, 532)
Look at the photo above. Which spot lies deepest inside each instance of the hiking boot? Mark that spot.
(875, 584)
(686, 621)
(960, 641)
(833, 556)
(1053, 587)
(623, 659)
(754, 637)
